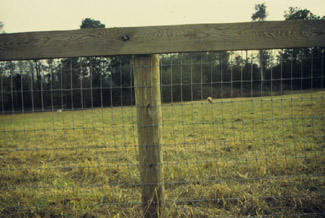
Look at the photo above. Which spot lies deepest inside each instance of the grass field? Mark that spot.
(235, 157)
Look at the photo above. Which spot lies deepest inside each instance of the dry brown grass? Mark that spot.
(235, 157)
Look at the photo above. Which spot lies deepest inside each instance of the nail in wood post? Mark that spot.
(148, 103)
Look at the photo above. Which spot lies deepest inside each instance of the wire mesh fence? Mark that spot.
(242, 135)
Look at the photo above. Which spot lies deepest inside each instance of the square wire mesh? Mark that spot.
(68, 135)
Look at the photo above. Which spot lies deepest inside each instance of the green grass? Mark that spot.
(235, 157)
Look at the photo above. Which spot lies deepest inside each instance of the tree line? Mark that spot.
(88, 82)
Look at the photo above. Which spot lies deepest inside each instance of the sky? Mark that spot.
(47, 15)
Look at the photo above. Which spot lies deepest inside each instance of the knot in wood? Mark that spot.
(124, 38)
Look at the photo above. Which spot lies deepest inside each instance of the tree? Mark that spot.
(97, 81)
(295, 13)
(259, 15)
(297, 62)
(81, 74)
(91, 23)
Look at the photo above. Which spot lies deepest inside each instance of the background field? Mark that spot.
(234, 157)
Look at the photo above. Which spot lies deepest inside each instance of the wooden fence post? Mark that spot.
(149, 118)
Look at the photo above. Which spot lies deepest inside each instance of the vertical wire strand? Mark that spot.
(252, 111)
(12, 120)
(186, 146)
(282, 113)
(322, 101)
(124, 131)
(292, 106)
(194, 133)
(313, 116)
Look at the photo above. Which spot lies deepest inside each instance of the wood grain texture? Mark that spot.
(149, 120)
(162, 39)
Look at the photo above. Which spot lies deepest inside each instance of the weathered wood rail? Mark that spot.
(162, 39)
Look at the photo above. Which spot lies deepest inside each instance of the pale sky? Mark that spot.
(44, 15)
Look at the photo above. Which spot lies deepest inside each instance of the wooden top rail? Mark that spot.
(162, 39)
